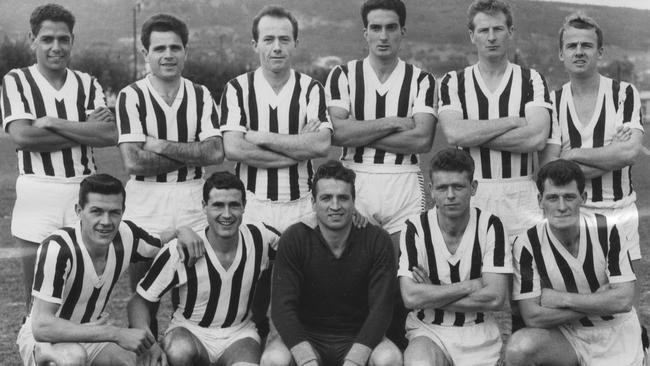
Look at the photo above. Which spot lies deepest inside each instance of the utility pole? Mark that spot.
(136, 9)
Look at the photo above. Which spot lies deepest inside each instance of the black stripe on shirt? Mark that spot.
(118, 247)
(67, 308)
(499, 241)
(526, 270)
(533, 238)
(192, 288)
(483, 114)
(359, 100)
(454, 276)
(235, 290)
(334, 84)
(259, 250)
(628, 106)
(68, 163)
(503, 112)
(215, 292)
(294, 129)
(380, 112)
(614, 252)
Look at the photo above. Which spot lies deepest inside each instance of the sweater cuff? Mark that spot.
(303, 353)
(358, 354)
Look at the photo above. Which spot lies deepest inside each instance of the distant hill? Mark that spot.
(437, 35)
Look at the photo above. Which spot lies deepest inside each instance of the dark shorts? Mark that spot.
(331, 348)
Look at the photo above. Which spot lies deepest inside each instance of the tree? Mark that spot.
(14, 54)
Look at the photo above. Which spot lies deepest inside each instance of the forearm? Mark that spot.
(147, 163)
(34, 139)
(138, 312)
(607, 302)
(405, 142)
(543, 317)
(518, 140)
(591, 172)
(56, 330)
(481, 300)
(199, 153)
(472, 133)
(298, 147)
(420, 295)
(607, 158)
(95, 134)
(253, 155)
(353, 133)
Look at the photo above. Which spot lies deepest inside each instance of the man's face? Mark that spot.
(383, 34)
(451, 192)
(52, 45)
(100, 218)
(166, 55)
(275, 44)
(224, 211)
(561, 204)
(580, 53)
(333, 204)
(491, 35)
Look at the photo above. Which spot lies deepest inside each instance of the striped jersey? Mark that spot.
(65, 274)
(483, 248)
(26, 94)
(210, 295)
(142, 112)
(542, 261)
(355, 87)
(617, 103)
(249, 103)
(465, 91)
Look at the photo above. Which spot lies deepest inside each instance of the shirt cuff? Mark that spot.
(338, 103)
(539, 104)
(210, 133)
(132, 137)
(527, 295)
(424, 109)
(358, 354)
(449, 107)
(237, 128)
(303, 353)
(145, 295)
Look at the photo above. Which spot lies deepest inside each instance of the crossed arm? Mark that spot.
(311, 142)
(47, 134)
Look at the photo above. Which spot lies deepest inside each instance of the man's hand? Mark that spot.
(134, 340)
(623, 133)
(311, 126)
(43, 122)
(101, 114)
(405, 124)
(104, 319)
(152, 144)
(420, 275)
(190, 241)
(359, 220)
(154, 356)
(551, 299)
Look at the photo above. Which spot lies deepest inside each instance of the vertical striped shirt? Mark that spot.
(483, 248)
(192, 117)
(26, 94)
(249, 103)
(65, 273)
(355, 87)
(617, 103)
(542, 261)
(465, 91)
(210, 295)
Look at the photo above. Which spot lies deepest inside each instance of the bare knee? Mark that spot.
(180, 347)
(521, 347)
(69, 354)
(386, 354)
(276, 354)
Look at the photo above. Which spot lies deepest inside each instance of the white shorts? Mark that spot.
(626, 219)
(157, 207)
(43, 205)
(27, 345)
(388, 199)
(278, 214)
(474, 345)
(607, 344)
(513, 200)
(216, 341)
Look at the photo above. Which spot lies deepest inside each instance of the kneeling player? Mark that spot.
(76, 270)
(454, 267)
(573, 282)
(212, 322)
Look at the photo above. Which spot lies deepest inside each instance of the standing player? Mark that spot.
(500, 113)
(574, 282)
(598, 126)
(55, 116)
(274, 121)
(454, 267)
(212, 322)
(169, 130)
(76, 272)
(383, 112)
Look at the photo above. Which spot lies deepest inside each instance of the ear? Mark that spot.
(365, 34)
(474, 186)
(471, 35)
(511, 31)
(254, 43)
(32, 40)
(601, 51)
(560, 54)
(539, 200)
(204, 206)
(403, 31)
(77, 208)
(144, 52)
(584, 196)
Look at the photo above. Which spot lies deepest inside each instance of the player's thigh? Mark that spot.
(422, 351)
(72, 354)
(114, 355)
(245, 351)
(540, 347)
(386, 353)
(180, 345)
(276, 352)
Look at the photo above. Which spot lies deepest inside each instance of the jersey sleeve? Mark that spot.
(53, 265)
(526, 283)
(449, 99)
(337, 89)
(96, 97)
(427, 96)
(14, 102)
(145, 245)
(271, 237)
(408, 248)
(555, 133)
(163, 274)
(130, 120)
(498, 250)
(630, 107)
(316, 105)
(619, 264)
(233, 116)
(540, 96)
(209, 117)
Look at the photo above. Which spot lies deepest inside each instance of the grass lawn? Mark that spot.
(108, 159)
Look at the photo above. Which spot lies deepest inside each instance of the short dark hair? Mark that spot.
(333, 169)
(52, 12)
(100, 183)
(452, 160)
(274, 11)
(490, 7)
(395, 5)
(223, 180)
(580, 20)
(561, 172)
(163, 23)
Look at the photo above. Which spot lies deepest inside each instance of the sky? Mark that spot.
(639, 4)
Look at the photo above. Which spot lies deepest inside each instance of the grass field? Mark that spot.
(109, 161)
